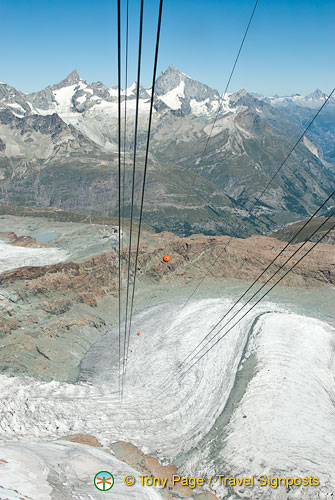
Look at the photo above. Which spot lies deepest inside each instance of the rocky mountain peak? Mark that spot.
(9, 93)
(241, 97)
(71, 79)
(240, 93)
(317, 94)
(168, 80)
(181, 92)
(172, 69)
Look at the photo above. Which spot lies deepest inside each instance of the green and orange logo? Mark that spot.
(104, 480)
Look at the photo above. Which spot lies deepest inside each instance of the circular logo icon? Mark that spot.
(104, 480)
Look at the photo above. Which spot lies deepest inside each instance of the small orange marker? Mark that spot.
(131, 350)
(138, 333)
(166, 258)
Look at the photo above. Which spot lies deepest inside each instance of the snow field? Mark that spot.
(12, 257)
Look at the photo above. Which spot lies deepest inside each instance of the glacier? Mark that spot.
(12, 257)
(282, 422)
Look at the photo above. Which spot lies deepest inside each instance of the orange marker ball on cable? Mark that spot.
(138, 333)
(166, 258)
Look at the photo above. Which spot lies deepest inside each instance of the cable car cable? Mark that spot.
(133, 180)
(222, 97)
(119, 173)
(145, 164)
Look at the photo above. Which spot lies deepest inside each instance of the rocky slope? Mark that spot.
(287, 233)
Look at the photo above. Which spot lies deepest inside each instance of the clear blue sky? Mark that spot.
(289, 48)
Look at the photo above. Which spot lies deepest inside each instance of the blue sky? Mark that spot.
(289, 47)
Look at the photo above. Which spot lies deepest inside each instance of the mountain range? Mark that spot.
(58, 148)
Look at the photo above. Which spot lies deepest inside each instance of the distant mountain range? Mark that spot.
(313, 100)
(58, 147)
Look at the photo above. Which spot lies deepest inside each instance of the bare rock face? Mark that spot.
(190, 258)
(87, 439)
(28, 241)
(146, 464)
(23, 241)
(56, 307)
(8, 235)
(7, 325)
(95, 276)
(224, 257)
(55, 317)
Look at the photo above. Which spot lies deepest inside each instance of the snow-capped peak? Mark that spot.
(317, 94)
(130, 90)
(312, 100)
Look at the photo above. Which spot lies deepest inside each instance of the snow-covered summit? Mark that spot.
(180, 92)
(317, 94)
(73, 96)
(93, 107)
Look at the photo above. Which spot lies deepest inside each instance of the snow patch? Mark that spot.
(16, 106)
(227, 122)
(112, 107)
(313, 149)
(12, 257)
(63, 98)
(171, 98)
(82, 98)
(199, 107)
(72, 468)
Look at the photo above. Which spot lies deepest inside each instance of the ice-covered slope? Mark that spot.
(63, 470)
(283, 422)
(12, 257)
